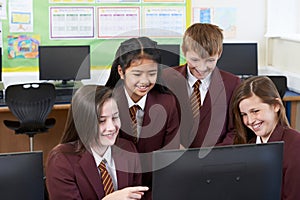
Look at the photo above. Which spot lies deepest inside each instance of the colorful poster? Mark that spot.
(23, 46)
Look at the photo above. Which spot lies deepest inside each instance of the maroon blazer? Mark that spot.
(291, 161)
(214, 124)
(160, 128)
(71, 175)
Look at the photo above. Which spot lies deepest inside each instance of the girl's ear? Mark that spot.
(120, 72)
(277, 105)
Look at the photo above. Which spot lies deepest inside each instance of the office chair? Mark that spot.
(31, 103)
(280, 83)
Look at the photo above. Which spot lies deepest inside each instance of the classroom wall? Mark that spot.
(284, 54)
(250, 21)
(283, 59)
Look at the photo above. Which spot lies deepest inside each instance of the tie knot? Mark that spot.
(102, 165)
(133, 109)
(197, 84)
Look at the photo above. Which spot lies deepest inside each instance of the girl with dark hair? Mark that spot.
(259, 117)
(87, 157)
(148, 111)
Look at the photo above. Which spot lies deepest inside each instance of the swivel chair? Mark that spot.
(31, 104)
(280, 83)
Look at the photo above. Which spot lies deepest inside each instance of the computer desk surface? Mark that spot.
(10, 142)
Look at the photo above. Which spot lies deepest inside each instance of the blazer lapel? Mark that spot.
(215, 101)
(90, 170)
(277, 134)
(121, 168)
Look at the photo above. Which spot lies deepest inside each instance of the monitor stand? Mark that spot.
(68, 84)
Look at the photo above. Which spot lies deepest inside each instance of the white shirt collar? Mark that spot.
(260, 141)
(106, 156)
(192, 80)
(140, 103)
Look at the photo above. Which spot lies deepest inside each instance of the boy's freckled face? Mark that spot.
(200, 67)
(140, 78)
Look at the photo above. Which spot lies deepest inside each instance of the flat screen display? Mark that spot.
(251, 171)
(239, 59)
(64, 63)
(170, 54)
(21, 176)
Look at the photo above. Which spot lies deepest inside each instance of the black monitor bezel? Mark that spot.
(170, 54)
(82, 72)
(233, 52)
(224, 172)
(22, 175)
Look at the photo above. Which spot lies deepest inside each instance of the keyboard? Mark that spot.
(64, 95)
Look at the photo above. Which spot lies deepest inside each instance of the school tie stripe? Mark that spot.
(196, 99)
(106, 179)
(133, 110)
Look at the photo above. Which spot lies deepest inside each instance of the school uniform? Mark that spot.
(72, 175)
(214, 124)
(159, 127)
(291, 161)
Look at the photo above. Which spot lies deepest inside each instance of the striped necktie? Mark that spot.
(106, 178)
(196, 99)
(133, 109)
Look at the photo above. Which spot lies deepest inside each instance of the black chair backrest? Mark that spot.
(31, 103)
(280, 83)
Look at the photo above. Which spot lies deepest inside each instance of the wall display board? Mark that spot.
(102, 24)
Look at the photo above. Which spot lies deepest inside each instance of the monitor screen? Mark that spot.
(21, 175)
(245, 172)
(64, 63)
(170, 54)
(239, 59)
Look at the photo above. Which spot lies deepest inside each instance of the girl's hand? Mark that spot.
(127, 193)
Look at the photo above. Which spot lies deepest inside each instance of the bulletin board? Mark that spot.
(26, 24)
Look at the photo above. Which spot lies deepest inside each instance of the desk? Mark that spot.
(11, 142)
(292, 101)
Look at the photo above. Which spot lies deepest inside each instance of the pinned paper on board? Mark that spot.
(224, 17)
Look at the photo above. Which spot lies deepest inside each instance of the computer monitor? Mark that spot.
(170, 54)
(252, 171)
(21, 176)
(239, 59)
(64, 63)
